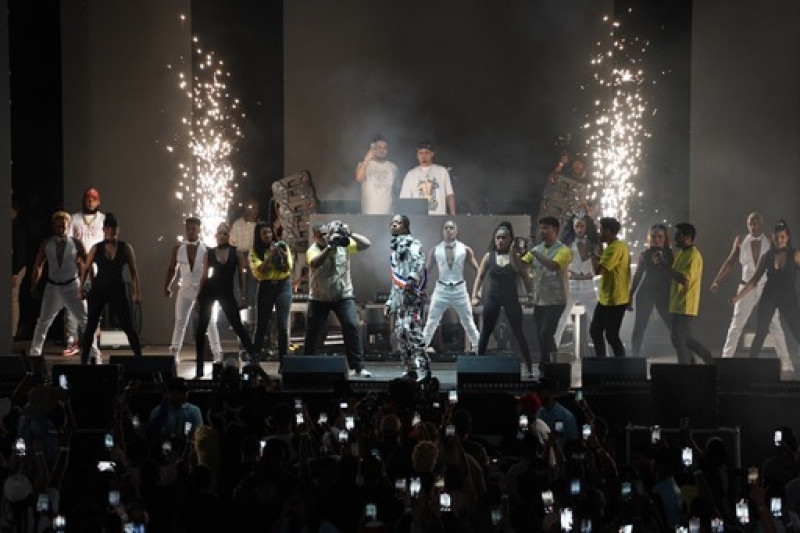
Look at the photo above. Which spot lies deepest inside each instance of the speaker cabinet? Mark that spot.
(314, 371)
(612, 371)
(487, 372)
(143, 368)
(681, 390)
(738, 374)
(91, 390)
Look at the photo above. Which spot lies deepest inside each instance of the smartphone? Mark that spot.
(681, 529)
(401, 485)
(59, 522)
(655, 434)
(687, 456)
(547, 501)
(166, 447)
(372, 146)
(752, 475)
(261, 445)
(717, 525)
(299, 419)
(136, 422)
(19, 446)
(694, 525)
(566, 519)
(343, 406)
(344, 436)
(452, 396)
(776, 507)
(586, 525)
(414, 487)
(444, 502)
(578, 395)
(575, 486)
(450, 431)
(743, 512)
(371, 511)
(587, 431)
(778, 437)
(323, 419)
(349, 422)
(439, 483)
(113, 498)
(559, 425)
(109, 441)
(187, 428)
(523, 422)
(43, 503)
(625, 490)
(497, 515)
(63, 382)
(628, 528)
(416, 420)
(105, 466)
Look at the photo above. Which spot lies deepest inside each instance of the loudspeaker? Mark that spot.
(681, 390)
(604, 371)
(143, 368)
(740, 373)
(487, 372)
(314, 371)
(91, 389)
(559, 375)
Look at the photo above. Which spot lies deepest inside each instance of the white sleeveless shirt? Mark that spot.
(455, 274)
(190, 277)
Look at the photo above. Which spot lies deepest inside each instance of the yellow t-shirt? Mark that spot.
(685, 299)
(272, 273)
(615, 283)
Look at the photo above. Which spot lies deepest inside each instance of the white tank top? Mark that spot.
(747, 260)
(581, 267)
(69, 263)
(190, 277)
(446, 274)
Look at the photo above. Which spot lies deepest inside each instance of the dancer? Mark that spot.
(504, 267)
(580, 235)
(780, 264)
(87, 226)
(407, 298)
(615, 268)
(107, 286)
(331, 289)
(271, 263)
(449, 258)
(651, 284)
(220, 266)
(187, 259)
(748, 251)
(686, 272)
(551, 259)
(64, 257)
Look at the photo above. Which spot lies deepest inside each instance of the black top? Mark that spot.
(656, 278)
(503, 279)
(781, 280)
(109, 271)
(220, 280)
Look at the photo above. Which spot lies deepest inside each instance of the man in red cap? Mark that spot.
(87, 227)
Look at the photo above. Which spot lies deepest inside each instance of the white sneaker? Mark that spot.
(363, 373)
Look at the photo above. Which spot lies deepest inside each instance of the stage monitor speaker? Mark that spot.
(559, 375)
(681, 390)
(91, 389)
(143, 368)
(612, 371)
(740, 373)
(487, 372)
(314, 371)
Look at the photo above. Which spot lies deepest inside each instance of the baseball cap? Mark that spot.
(92, 193)
(425, 145)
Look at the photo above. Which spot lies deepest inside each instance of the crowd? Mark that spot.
(245, 458)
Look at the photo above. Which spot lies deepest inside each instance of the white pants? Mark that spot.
(184, 303)
(741, 312)
(585, 295)
(56, 298)
(445, 297)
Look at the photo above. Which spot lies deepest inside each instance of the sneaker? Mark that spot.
(363, 373)
(72, 349)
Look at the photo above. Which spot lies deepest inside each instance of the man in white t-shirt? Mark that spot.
(430, 182)
(377, 176)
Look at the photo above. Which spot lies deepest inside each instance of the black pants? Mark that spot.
(546, 318)
(277, 294)
(491, 311)
(767, 305)
(685, 343)
(645, 302)
(229, 307)
(345, 311)
(607, 320)
(117, 301)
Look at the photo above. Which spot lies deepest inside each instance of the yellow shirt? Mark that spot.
(615, 283)
(271, 273)
(685, 299)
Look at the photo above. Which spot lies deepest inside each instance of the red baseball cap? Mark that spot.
(92, 193)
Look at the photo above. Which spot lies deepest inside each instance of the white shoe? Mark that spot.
(363, 373)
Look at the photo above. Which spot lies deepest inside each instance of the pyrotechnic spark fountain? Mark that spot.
(614, 131)
(207, 182)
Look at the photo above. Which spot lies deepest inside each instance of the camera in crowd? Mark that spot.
(338, 233)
